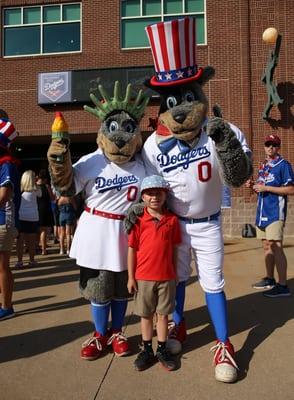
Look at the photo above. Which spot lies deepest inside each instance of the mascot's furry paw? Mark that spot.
(133, 212)
(218, 130)
(57, 149)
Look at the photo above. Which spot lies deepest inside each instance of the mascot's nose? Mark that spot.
(120, 143)
(180, 118)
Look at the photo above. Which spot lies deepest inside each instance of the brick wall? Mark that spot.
(234, 47)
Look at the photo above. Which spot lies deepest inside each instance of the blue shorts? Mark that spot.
(67, 215)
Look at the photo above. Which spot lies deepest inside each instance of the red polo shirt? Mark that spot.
(154, 241)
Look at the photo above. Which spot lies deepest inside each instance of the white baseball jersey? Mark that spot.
(194, 177)
(100, 243)
(241, 137)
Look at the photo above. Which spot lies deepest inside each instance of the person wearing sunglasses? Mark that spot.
(274, 183)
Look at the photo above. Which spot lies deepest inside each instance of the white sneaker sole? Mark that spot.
(225, 373)
(263, 287)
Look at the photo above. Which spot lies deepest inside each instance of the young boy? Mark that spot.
(152, 270)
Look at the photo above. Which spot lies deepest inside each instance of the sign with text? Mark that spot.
(54, 87)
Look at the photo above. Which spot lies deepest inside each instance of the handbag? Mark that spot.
(248, 231)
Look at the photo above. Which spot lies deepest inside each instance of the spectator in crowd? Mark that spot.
(67, 222)
(80, 204)
(274, 183)
(55, 212)
(9, 205)
(28, 218)
(44, 206)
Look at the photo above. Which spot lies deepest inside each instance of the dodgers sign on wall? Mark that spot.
(54, 87)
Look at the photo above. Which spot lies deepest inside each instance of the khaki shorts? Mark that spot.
(274, 231)
(154, 296)
(7, 236)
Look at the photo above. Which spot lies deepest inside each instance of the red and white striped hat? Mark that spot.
(173, 45)
(7, 133)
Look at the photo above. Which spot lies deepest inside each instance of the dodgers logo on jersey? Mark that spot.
(103, 184)
(168, 162)
(269, 178)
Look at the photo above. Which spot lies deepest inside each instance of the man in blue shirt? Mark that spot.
(274, 183)
(9, 205)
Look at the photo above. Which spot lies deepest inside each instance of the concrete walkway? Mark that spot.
(39, 348)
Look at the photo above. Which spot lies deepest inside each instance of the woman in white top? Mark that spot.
(28, 218)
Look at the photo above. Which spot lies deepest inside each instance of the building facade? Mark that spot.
(54, 53)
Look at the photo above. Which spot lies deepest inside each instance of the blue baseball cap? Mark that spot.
(154, 182)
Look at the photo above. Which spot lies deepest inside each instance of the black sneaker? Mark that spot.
(166, 359)
(278, 291)
(265, 283)
(144, 360)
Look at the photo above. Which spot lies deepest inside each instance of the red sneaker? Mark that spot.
(93, 347)
(119, 343)
(177, 334)
(225, 365)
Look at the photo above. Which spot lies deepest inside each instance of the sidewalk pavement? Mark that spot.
(39, 348)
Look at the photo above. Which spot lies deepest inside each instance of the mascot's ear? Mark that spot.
(208, 73)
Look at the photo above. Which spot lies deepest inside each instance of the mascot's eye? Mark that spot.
(130, 127)
(171, 102)
(189, 96)
(113, 126)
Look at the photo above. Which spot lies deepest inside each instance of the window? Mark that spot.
(42, 30)
(137, 14)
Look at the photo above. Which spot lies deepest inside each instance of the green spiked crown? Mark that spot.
(117, 103)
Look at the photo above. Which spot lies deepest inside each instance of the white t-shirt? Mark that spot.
(28, 210)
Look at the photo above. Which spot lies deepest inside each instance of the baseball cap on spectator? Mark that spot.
(7, 133)
(273, 138)
(154, 182)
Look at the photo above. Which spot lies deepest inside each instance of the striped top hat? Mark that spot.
(173, 45)
(7, 133)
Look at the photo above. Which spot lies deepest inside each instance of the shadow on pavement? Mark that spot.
(37, 271)
(55, 306)
(32, 299)
(29, 344)
(52, 281)
(254, 311)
